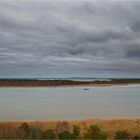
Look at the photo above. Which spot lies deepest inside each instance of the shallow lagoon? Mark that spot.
(38, 104)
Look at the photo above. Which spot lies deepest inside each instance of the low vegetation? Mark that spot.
(122, 135)
(62, 130)
(94, 132)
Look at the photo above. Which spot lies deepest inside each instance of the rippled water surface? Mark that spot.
(34, 104)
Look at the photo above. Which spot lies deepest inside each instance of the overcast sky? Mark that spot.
(43, 38)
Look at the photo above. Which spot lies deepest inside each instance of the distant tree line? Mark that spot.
(62, 131)
(26, 83)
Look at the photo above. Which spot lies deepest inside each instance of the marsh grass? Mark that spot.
(88, 129)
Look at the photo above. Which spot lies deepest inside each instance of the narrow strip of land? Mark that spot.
(64, 83)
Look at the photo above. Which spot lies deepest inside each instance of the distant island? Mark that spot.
(63, 82)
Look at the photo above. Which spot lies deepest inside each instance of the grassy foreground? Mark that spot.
(87, 129)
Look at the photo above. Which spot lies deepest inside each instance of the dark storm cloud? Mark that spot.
(75, 36)
(136, 25)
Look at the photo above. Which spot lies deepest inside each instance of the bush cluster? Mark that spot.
(62, 131)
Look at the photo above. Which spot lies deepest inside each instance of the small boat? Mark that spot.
(86, 89)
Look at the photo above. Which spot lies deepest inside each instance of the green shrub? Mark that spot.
(76, 132)
(136, 137)
(94, 132)
(122, 135)
(28, 132)
(65, 135)
(48, 134)
(25, 127)
(24, 131)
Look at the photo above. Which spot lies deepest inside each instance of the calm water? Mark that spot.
(34, 104)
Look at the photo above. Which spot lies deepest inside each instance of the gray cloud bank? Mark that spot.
(59, 36)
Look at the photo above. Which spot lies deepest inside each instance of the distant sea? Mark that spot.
(92, 76)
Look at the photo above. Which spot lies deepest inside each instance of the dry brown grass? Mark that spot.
(108, 126)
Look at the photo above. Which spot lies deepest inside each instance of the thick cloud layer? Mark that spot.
(48, 37)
